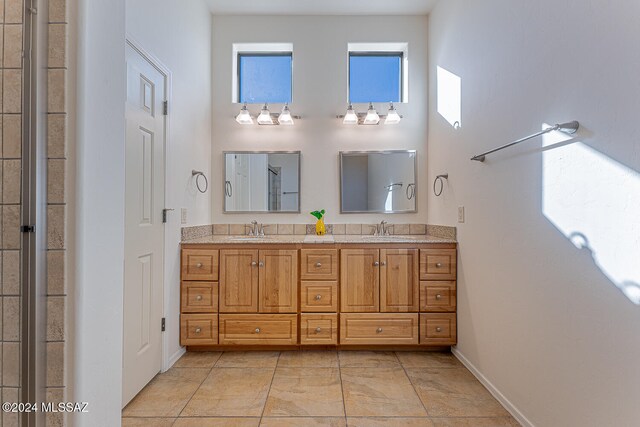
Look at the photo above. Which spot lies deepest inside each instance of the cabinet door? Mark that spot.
(238, 281)
(278, 284)
(359, 280)
(399, 280)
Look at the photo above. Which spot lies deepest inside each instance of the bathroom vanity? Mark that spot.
(291, 291)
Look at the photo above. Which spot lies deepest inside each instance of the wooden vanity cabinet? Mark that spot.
(321, 295)
(258, 281)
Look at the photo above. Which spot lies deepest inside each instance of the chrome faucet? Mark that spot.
(253, 228)
(382, 229)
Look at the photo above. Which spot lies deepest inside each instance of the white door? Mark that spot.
(144, 230)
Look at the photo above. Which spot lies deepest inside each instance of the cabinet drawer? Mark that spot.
(318, 329)
(438, 329)
(378, 328)
(200, 264)
(319, 297)
(199, 297)
(259, 329)
(437, 264)
(198, 329)
(319, 264)
(438, 296)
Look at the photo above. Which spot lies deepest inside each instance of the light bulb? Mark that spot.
(265, 116)
(285, 116)
(393, 118)
(243, 117)
(372, 117)
(351, 118)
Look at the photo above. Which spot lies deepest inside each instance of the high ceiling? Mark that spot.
(321, 7)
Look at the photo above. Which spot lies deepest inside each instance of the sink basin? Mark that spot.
(247, 239)
(387, 239)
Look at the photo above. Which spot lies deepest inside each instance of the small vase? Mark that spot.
(321, 230)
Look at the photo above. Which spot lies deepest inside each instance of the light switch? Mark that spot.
(183, 215)
(460, 214)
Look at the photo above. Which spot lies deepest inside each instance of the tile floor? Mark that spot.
(315, 388)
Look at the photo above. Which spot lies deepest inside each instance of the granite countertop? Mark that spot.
(314, 240)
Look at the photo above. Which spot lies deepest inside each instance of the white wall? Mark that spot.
(178, 34)
(319, 94)
(544, 320)
(99, 214)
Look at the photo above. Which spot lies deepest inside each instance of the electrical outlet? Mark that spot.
(183, 215)
(461, 214)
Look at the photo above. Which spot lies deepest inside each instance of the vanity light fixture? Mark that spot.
(393, 118)
(265, 116)
(243, 117)
(372, 117)
(351, 118)
(285, 116)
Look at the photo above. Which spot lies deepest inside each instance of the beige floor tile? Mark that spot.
(198, 359)
(147, 422)
(368, 359)
(388, 422)
(428, 359)
(248, 359)
(308, 359)
(217, 422)
(454, 393)
(475, 422)
(305, 392)
(380, 392)
(166, 394)
(231, 392)
(303, 422)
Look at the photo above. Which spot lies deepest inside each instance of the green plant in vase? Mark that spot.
(321, 230)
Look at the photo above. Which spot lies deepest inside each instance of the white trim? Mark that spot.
(254, 48)
(166, 287)
(384, 47)
(175, 357)
(513, 410)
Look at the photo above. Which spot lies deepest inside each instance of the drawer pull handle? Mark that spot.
(376, 264)
(198, 330)
(253, 264)
(438, 329)
(438, 264)
(261, 264)
(198, 297)
(379, 330)
(257, 330)
(318, 297)
(318, 330)
(318, 264)
(199, 265)
(438, 297)
(383, 263)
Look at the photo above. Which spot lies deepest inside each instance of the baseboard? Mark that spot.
(515, 412)
(177, 355)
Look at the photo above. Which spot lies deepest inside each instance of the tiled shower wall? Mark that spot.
(57, 205)
(11, 47)
(11, 167)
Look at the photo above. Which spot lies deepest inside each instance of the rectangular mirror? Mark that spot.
(262, 181)
(378, 181)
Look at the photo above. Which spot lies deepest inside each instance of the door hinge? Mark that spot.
(165, 211)
(28, 228)
(163, 325)
(165, 108)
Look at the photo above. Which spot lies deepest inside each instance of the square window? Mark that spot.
(265, 77)
(376, 77)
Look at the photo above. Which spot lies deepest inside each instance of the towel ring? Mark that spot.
(199, 174)
(439, 179)
(411, 191)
